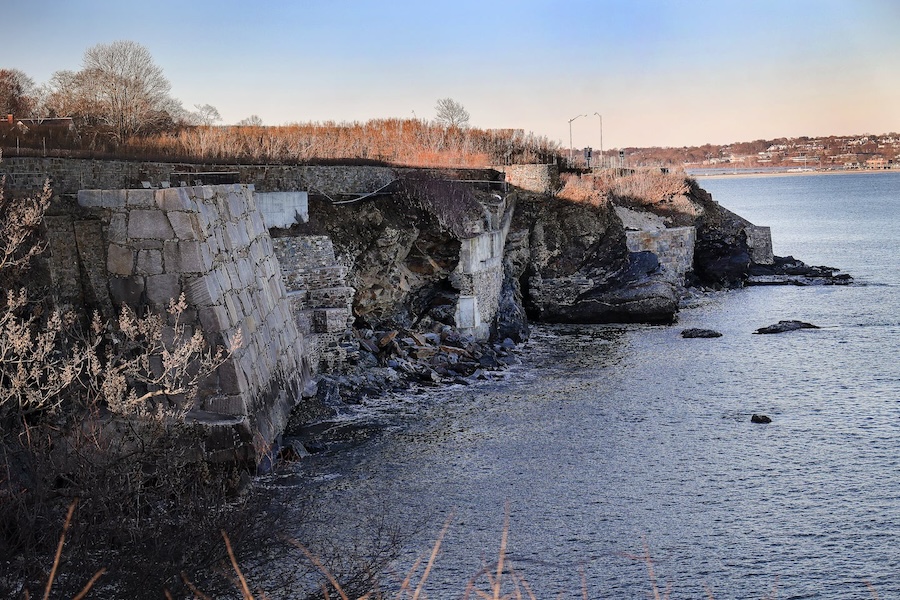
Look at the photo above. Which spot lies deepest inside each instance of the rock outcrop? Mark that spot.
(788, 270)
(574, 266)
(700, 333)
(783, 326)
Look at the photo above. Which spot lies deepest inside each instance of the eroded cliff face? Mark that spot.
(564, 260)
(722, 252)
(573, 266)
(401, 250)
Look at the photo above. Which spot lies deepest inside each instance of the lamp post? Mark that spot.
(571, 147)
(601, 138)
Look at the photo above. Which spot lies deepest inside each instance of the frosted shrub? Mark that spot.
(134, 366)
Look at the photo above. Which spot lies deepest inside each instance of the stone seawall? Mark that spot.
(479, 277)
(211, 244)
(674, 247)
(69, 175)
(542, 179)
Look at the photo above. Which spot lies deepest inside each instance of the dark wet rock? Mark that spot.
(763, 419)
(787, 270)
(783, 326)
(700, 333)
(579, 269)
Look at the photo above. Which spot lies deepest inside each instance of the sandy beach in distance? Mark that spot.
(788, 173)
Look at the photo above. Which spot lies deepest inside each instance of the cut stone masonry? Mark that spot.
(210, 243)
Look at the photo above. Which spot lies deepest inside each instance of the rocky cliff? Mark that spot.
(574, 266)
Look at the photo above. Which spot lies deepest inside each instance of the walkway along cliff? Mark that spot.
(301, 259)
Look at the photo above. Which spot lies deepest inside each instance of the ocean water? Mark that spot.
(609, 444)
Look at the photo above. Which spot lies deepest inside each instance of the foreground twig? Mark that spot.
(245, 589)
(59, 549)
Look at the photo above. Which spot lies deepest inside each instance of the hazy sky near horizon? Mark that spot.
(667, 73)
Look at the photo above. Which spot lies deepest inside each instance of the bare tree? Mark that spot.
(251, 121)
(17, 93)
(451, 113)
(206, 114)
(119, 87)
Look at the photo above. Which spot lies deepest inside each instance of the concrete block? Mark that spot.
(149, 262)
(120, 260)
(149, 224)
(467, 315)
(184, 224)
(283, 209)
(126, 290)
(143, 198)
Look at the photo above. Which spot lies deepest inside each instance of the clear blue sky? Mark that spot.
(661, 73)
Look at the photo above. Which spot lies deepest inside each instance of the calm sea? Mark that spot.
(609, 442)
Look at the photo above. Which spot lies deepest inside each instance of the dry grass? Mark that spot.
(496, 581)
(408, 142)
(641, 188)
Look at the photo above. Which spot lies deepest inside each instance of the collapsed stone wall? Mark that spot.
(673, 247)
(479, 277)
(211, 244)
(320, 298)
(541, 179)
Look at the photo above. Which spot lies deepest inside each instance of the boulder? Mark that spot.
(783, 326)
(579, 269)
(762, 419)
(700, 333)
(787, 270)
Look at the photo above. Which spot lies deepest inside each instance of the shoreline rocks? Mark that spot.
(787, 270)
(695, 332)
(380, 362)
(784, 326)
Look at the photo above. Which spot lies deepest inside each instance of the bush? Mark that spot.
(94, 412)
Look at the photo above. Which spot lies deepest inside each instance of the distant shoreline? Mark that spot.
(789, 173)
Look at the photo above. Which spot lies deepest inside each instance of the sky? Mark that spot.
(599, 73)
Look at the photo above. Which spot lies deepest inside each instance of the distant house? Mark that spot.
(879, 162)
(37, 133)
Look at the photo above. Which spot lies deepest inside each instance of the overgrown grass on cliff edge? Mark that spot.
(643, 187)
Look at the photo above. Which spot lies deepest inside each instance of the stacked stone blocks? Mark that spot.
(674, 247)
(479, 278)
(210, 243)
(320, 298)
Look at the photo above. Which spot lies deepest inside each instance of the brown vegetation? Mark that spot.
(92, 411)
(637, 187)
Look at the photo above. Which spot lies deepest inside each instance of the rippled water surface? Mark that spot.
(607, 439)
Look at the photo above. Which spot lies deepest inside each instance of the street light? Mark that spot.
(571, 147)
(601, 138)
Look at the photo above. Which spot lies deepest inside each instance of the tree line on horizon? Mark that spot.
(824, 151)
(119, 105)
